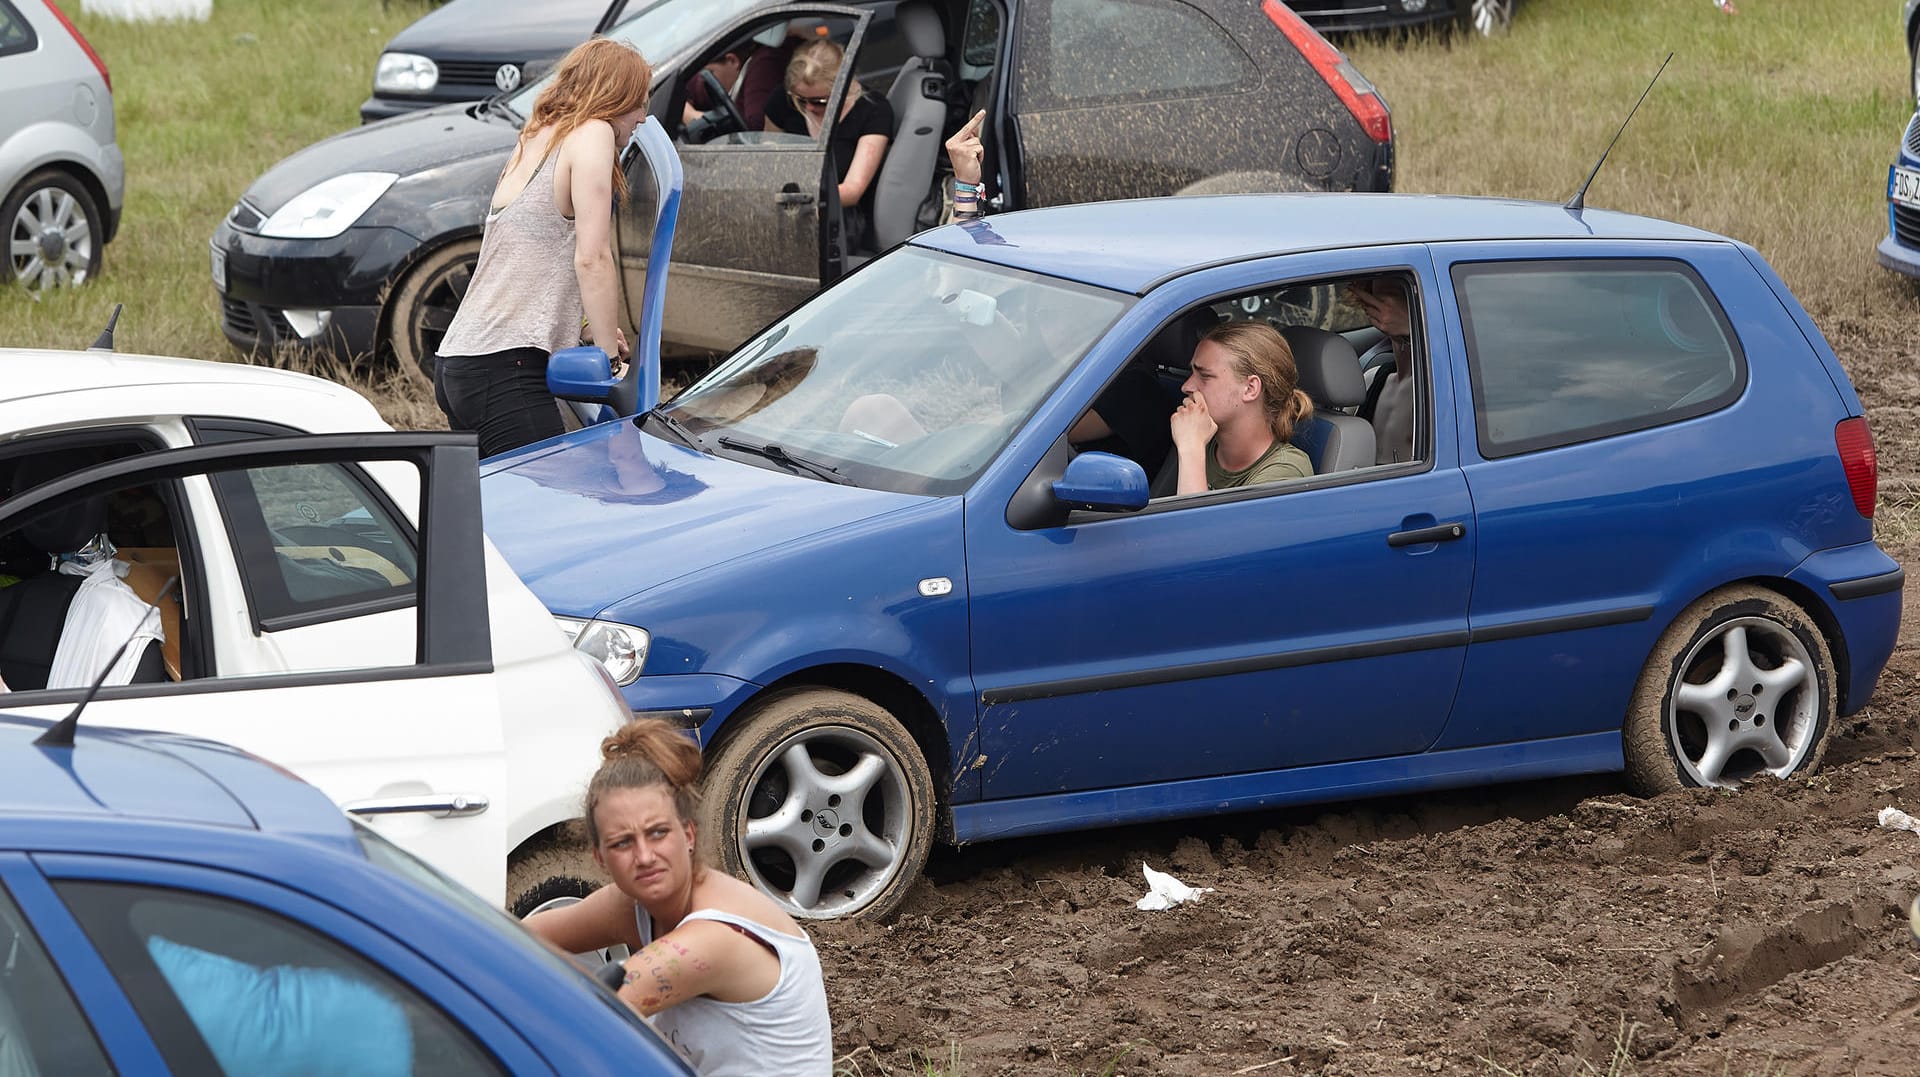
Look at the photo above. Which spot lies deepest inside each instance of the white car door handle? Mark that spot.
(438, 805)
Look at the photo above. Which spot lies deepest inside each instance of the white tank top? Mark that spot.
(786, 1031)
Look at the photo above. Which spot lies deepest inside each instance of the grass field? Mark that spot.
(203, 109)
(1775, 126)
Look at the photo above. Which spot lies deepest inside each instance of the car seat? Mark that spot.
(33, 612)
(1330, 374)
(919, 100)
(149, 569)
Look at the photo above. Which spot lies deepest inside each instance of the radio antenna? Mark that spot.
(60, 734)
(1579, 200)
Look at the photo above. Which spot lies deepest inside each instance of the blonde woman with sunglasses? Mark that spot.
(859, 135)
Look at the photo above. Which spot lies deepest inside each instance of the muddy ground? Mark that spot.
(1556, 927)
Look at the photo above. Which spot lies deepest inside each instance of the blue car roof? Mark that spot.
(152, 777)
(1130, 245)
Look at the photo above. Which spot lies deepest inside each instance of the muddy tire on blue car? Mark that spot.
(1740, 685)
(822, 800)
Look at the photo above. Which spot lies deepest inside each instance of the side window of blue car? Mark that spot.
(1568, 351)
(227, 988)
(41, 1028)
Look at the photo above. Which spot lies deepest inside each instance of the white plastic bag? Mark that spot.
(104, 615)
(1894, 819)
(1164, 891)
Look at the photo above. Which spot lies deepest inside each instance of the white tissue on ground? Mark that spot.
(1895, 819)
(1164, 891)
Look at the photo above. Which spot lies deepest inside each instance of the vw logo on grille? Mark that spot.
(507, 78)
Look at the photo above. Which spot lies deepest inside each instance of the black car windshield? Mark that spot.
(662, 31)
(910, 375)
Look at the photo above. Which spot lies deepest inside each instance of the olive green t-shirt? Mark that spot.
(1283, 461)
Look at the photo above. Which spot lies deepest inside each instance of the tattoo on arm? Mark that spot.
(649, 985)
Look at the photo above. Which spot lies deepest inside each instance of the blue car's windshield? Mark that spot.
(661, 31)
(910, 375)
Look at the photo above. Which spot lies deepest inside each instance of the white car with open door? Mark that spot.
(337, 609)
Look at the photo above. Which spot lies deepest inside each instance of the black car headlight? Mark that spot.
(404, 72)
(329, 207)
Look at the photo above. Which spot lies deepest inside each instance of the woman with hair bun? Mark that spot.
(1243, 401)
(718, 969)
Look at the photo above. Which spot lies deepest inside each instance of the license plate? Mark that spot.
(219, 268)
(1903, 186)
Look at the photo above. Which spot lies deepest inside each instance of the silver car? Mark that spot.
(61, 175)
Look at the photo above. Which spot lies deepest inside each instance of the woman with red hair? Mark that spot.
(545, 259)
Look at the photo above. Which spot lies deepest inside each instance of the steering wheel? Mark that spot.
(723, 118)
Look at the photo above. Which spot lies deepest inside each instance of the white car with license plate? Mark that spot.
(336, 609)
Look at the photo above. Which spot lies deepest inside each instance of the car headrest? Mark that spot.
(1173, 345)
(69, 528)
(1329, 367)
(920, 25)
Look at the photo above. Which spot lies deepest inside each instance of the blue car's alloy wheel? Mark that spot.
(823, 801)
(1741, 685)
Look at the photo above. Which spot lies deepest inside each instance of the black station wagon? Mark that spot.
(364, 243)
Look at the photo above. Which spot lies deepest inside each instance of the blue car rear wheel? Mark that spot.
(1740, 685)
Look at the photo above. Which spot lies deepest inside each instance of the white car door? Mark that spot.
(398, 720)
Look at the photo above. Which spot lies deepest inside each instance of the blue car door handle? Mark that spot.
(792, 195)
(1446, 532)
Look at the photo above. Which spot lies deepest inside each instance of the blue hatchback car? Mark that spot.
(886, 566)
(1900, 249)
(169, 904)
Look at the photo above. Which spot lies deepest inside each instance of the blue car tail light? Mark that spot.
(1855, 442)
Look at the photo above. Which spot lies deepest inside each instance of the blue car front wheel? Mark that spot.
(823, 801)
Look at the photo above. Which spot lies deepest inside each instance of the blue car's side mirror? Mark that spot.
(582, 373)
(1102, 482)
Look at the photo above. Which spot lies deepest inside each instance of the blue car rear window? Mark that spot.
(1572, 350)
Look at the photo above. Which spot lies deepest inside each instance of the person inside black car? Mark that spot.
(859, 137)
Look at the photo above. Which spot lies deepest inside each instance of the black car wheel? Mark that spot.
(422, 307)
(1487, 17)
(53, 231)
(1913, 69)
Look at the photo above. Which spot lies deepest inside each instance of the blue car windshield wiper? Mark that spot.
(778, 455)
(678, 428)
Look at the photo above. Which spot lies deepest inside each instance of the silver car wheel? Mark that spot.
(828, 821)
(1744, 703)
(50, 240)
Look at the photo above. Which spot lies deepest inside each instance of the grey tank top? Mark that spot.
(786, 1031)
(524, 293)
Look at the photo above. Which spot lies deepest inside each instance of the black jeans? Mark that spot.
(502, 397)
